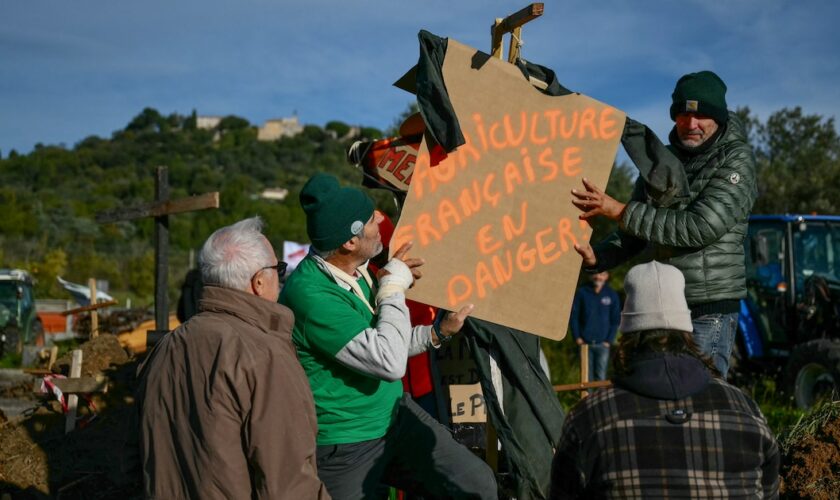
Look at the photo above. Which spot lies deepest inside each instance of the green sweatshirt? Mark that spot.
(351, 405)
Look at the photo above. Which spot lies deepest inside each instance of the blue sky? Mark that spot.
(70, 69)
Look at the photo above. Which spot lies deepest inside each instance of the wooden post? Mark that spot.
(53, 357)
(496, 36)
(584, 368)
(515, 44)
(161, 254)
(94, 315)
(161, 209)
(73, 400)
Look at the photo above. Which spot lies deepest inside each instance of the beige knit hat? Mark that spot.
(655, 299)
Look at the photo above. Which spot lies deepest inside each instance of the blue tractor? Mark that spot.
(790, 320)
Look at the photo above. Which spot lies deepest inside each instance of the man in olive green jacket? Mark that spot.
(702, 233)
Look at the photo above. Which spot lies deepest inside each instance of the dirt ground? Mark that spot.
(811, 464)
(98, 460)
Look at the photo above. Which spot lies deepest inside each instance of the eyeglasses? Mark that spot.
(280, 267)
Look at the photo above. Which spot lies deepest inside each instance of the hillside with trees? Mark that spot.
(49, 197)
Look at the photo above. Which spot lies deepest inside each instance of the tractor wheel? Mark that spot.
(813, 372)
(12, 341)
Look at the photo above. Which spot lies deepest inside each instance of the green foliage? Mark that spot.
(340, 128)
(11, 360)
(232, 122)
(779, 410)
(798, 162)
(809, 424)
(371, 133)
(564, 365)
(394, 129)
(49, 198)
(54, 264)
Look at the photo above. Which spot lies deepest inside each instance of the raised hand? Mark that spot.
(594, 202)
(454, 321)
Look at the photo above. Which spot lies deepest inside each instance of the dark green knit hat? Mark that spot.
(703, 93)
(333, 214)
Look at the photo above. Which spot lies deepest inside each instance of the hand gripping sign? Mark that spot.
(493, 220)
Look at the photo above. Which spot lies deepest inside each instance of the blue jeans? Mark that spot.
(715, 335)
(599, 356)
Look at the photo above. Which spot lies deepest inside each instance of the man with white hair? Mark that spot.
(225, 408)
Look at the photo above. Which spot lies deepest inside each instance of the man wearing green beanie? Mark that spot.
(353, 336)
(701, 234)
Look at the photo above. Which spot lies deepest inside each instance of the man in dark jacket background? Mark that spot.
(669, 427)
(594, 321)
(701, 234)
(225, 408)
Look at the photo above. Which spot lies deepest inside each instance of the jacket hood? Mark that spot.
(665, 376)
(268, 316)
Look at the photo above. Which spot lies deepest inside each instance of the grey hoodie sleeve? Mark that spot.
(383, 351)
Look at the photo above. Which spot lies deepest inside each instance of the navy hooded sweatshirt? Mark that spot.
(595, 316)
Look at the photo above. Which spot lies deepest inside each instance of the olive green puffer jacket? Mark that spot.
(703, 236)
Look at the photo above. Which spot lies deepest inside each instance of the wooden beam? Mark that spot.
(521, 17)
(82, 385)
(512, 24)
(89, 307)
(160, 208)
(582, 385)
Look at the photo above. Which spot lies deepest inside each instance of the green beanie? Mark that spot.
(333, 214)
(703, 93)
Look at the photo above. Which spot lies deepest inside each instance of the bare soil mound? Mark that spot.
(100, 459)
(811, 455)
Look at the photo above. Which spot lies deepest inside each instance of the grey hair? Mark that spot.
(233, 254)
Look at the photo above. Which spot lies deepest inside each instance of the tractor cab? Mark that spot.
(791, 311)
(19, 323)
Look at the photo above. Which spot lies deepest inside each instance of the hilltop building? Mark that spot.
(281, 127)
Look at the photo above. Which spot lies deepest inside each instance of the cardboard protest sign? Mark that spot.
(466, 404)
(494, 219)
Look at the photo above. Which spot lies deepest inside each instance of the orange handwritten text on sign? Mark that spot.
(494, 219)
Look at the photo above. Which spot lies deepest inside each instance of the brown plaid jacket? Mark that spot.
(714, 444)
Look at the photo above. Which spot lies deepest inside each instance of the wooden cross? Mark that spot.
(161, 209)
(512, 24)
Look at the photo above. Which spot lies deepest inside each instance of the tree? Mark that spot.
(149, 120)
(394, 129)
(341, 129)
(232, 122)
(798, 163)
